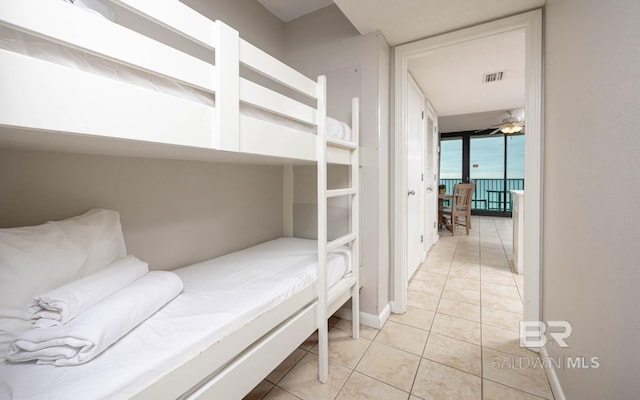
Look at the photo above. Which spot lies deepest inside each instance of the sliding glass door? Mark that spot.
(450, 162)
(494, 162)
(486, 159)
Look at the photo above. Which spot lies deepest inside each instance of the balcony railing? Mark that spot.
(490, 193)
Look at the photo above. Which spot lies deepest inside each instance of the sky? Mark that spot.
(486, 159)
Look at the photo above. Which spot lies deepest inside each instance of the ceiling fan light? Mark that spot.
(511, 128)
(506, 129)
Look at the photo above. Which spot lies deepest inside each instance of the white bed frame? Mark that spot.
(35, 113)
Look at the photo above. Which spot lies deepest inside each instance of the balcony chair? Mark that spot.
(460, 207)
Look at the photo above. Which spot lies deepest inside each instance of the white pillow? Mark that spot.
(99, 234)
(37, 259)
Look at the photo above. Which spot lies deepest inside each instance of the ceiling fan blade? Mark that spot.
(490, 128)
(495, 131)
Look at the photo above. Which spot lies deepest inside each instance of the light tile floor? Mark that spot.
(458, 339)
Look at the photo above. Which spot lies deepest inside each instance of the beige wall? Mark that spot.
(591, 271)
(250, 18)
(325, 42)
(173, 212)
(305, 202)
(255, 24)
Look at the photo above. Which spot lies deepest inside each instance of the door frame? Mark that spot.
(430, 111)
(531, 23)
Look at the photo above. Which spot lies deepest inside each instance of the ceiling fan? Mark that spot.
(508, 126)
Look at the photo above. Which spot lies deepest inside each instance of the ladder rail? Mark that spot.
(323, 334)
(354, 217)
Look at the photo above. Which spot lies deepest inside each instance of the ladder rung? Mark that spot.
(342, 240)
(331, 141)
(340, 287)
(341, 192)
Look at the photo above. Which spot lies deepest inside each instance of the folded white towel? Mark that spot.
(60, 305)
(91, 332)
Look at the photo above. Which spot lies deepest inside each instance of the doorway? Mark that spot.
(531, 24)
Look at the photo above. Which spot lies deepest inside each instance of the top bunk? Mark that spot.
(76, 80)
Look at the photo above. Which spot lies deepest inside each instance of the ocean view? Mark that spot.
(486, 168)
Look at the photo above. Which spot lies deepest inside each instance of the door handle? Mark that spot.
(412, 192)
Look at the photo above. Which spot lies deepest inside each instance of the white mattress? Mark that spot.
(36, 47)
(219, 297)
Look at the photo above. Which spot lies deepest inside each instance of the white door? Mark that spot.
(430, 183)
(415, 201)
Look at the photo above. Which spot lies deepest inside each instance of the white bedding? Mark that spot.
(60, 305)
(93, 331)
(33, 46)
(219, 297)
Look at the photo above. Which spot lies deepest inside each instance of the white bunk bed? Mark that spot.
(69, 106)
(45, 105)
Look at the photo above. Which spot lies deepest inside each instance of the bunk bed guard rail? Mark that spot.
(100, 37)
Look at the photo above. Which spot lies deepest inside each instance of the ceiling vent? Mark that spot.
(493, 76)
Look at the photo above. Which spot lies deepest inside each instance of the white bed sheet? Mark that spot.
(33, 46)
(219, 297)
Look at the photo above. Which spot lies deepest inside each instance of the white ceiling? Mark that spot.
(403, 21)
(287, 10)
(451, 77)
(475, 121)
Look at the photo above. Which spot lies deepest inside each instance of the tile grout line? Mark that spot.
(454, 316)
(489, 348)
(415, 377)
(519, 390)
(378, 380)
(371, 341)
(481, 319)
(352, 370)
(287, 373)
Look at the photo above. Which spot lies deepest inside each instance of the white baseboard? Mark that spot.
(372, 320)
(558, 393)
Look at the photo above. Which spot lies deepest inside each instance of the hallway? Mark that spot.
(458, 339)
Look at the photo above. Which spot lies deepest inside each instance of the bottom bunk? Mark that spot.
(237, 318)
